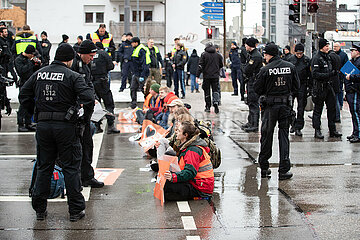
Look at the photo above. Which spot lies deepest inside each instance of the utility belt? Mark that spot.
(275, 100)
(69, 116)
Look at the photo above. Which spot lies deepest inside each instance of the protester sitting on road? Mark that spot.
(152, 105)
(196, 178)
(163, 116)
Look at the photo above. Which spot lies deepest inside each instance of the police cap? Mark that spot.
(271, 49)
(355, 47)
(135, 39)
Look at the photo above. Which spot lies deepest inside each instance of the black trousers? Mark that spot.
(214, 84)
(22, 116)
(254, 107)
(326, 96)
(301, 100)
(87, 171)
(135, 85)
(58, 139)
(102, 90)
(277, 113)
(179, 191)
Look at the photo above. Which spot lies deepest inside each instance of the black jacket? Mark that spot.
(322, 71)
(125, 51)
(155, 58)
(140, 67)
(210, 63)
(336, 63)
(101, 65)
(302, 66)
(55, 88)
(46, 51)
(80, 67)
(253, 64)
(5, 54)
(24, 68)
(286, 57)
(193, 63)
(234, 56)
(179, 59)
(277, 78)
(243, 54)
(26, 34)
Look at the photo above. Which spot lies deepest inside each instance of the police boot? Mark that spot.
(318, 134)
(265, 173)
(298, 132)
(31, 128)
(335, 134)
(246, 125)
(112, 129)
(76, 217)
(251, 129)
(216, 108)
(284, 176)
(21, 128)
(354, 140)
(93, 183)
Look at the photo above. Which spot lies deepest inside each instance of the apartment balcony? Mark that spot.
(149, 29)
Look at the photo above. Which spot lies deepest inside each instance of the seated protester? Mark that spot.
(173, 107)
(196, 178)
(151, 105)
(161, 117)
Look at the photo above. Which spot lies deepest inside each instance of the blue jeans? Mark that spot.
(179, 76)
(194, 84)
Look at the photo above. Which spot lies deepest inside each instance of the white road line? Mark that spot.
(16, 133)
(183, 206)
(188, 222)
(193, 238)
(18, 156)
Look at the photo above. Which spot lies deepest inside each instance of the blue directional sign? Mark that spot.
(212, 17)
(212, 5)
(213, 10)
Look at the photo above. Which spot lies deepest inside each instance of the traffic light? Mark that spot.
(312, 6)
(295, 7)
(209, 33)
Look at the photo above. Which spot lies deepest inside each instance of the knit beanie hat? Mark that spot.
(299, 47)
(251, 42)
(271, 49)
(87, 47)
(322, 43)
(65, 37)
(30, 49)
(64, 53)
(155, 87)
(44, 33)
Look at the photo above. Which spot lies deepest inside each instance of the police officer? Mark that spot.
(100, 68)
(323, 91)
(23, 39)
(25, 64)
(5, 53)
(252, 68)
(10, 38)
(276, 83)
(125, 52)
(179, 61)
(140, 59)
(352, 88)
(302, 66)
(46, 47)
(54, 91)
(101, 35)
(236, 73)
(286, 53)
(87, 51)
(156, 61)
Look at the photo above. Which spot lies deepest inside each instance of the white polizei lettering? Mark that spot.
(50, 76)
(278, 71)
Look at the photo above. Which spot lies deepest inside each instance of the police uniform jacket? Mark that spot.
(234, 56)
(80, 67)
(277, 78)
(322, 70)
(24, 68)
(253, 65)
(139, 64)
(302, 66)
(46, 50)
(125, 51)
(5, 54)
(354, 83)
(101, 65)
(243, 55)
(55, 88)
(26, 34)
(180, 59)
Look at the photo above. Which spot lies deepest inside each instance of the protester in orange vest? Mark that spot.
(101, 35)
(196, 178)
(152, 104)
(166, 97)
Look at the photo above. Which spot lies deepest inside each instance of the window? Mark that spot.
(273, 19)
(100, 17)
(264, 24)
(134, 16)
(273, 29)
(6, 4)
(147, 16)
(122, 18)
(273, 10)
(263, 15)
(272, 38)
(94, 13)
(264, 6)
(89, 17)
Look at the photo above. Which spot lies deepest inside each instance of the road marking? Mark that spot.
(193, 238)
(183, 206)
(16, 133)
(188, 222)
(18, 156)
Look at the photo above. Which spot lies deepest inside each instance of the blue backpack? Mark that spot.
(57, 185)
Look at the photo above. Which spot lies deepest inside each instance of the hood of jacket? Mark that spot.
(194, 141)
(25, 34)
(210, 49)
(194, 55)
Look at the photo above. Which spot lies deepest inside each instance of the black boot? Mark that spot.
(266, 173)
(284, 176)
(335, 134)
(298, 133)
(318, 134)
(216, 108)
(112, 129)
(77, 217)
(93, 183)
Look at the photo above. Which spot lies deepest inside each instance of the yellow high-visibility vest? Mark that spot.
(22, 43)
(137, 50)
(106, 41)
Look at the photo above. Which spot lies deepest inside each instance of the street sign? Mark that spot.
(212, 23)
(212, 17)
(213, 10)
(212, 5)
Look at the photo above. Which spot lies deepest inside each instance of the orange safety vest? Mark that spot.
(205, 167)
(146, 104)
(105, 41)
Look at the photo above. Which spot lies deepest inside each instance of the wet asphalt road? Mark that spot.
(320, 202)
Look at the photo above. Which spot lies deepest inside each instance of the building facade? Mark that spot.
(13, 16)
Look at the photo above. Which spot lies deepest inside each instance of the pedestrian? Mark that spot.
(210, 64)
(46, 47)
(352, 88)
(65, 39)
(340, 96)
(23, 39)
(196, 178)
(179, 61)
(26, 64)
(79, 40)
(87, 51)
(236, 74)
(125, 52)
(101, 35)
(302, 67)
(140, 60)
(323, 91)
(57, 135)
(192, 67)
(169, 71)
(100, 68)
(5, 53)
(253, 64)
(286, 53)
(173, 51)
(156, 62)
(277, 82)
(10, 38)
(335, 80)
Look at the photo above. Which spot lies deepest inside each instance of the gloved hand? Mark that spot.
(141, 79)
